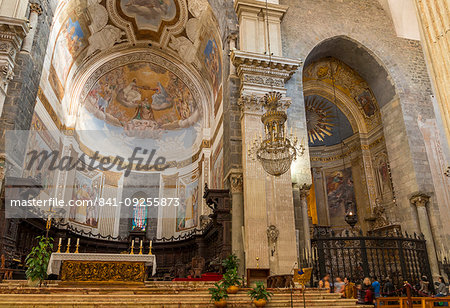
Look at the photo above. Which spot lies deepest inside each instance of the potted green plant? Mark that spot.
(232, 281)
(259, 294)
(230, 262)
(218, 295)
(37, 261)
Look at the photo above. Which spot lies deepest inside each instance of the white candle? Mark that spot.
(141, 244)
(151, 243)
(60, 240)
(68, 242)
(78, 241)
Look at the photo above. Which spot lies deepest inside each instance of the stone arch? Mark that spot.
(361, 59)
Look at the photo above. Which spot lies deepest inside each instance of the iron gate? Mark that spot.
(400, 257)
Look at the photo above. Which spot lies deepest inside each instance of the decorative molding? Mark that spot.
(272, 234)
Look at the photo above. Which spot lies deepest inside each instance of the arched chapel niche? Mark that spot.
(349, 162)
(124, 74)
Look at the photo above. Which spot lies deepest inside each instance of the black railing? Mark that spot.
(400, 257)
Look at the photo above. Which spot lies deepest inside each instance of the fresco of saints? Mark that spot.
(213, 64)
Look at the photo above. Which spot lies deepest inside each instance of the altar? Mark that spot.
(94, 267)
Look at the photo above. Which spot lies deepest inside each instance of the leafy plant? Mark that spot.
(37, 260)
(231, 278)
(218, 292)
(230, 262)
(260, 292)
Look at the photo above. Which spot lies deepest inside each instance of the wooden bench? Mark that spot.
(404, 302)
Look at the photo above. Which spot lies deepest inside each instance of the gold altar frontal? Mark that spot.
(102, 271)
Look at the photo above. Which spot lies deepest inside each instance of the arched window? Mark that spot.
(139, 201)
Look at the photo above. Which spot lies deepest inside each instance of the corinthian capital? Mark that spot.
(251, 103)
(420, 200)
(36, 8)
(236, 182)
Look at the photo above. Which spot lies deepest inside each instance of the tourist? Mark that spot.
(339, 286)
(388, 287)
(325, 283)
(376, 287)
(423, 283)
(349, 289)
(441, 290)
(366, 292)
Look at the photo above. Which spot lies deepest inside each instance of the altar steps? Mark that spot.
(153, 295)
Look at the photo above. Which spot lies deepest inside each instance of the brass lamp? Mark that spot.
(276, 151)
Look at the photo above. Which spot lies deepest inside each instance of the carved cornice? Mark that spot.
(257, 71)
(241, 6)
(236, 182)
(420, 200)
(12, 33)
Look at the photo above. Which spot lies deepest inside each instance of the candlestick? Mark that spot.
(150, 248)
(68, 246)
(78, 245)
(59, 245)
(132, 248)
(257, 262)
(140, 248)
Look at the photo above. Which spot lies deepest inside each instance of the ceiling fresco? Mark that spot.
(149, 14)
(141, 100)
(144, 99)
(87, 31)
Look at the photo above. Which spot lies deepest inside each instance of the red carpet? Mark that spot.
(205, 277)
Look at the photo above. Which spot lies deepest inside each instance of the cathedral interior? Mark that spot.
(290, 134)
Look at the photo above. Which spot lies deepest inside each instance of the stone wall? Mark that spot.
(370, 29)
(21, 96)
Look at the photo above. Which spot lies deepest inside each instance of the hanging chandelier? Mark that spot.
(275, 151)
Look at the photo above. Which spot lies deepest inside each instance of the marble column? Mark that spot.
(304, 192)
(35, 11)
(237, 220)
(434, 21)
(420, 201)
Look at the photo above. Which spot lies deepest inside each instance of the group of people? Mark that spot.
(370, 289)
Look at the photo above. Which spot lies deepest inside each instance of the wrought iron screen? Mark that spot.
(400, 257)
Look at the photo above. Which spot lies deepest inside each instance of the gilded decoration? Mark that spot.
(348, 82)
(92, 271)
(318, 119)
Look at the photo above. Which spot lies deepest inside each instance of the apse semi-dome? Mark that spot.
(142, 100)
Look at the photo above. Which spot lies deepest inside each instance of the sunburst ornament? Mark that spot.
(318, 119)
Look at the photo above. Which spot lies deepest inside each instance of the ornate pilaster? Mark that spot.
(420, 201)
(35, 11)
(12, 33)
(268, 200)
(303, 194)
(237, 218)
